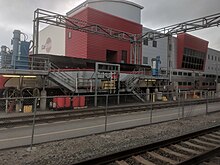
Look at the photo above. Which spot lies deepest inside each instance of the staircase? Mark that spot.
(131, 85)
(61, 78)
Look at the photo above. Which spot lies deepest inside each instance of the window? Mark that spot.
(184, 83)
(189, 74)
(69, 35)
(185, 74)
(124, 56)
(208, 56)
(155, 44)
(189, 83)
(174, 73)
(145, 60)
(215, 58)
(145, 41)
(193, 59)
(212, 58)
(180, 83)
(180, 73)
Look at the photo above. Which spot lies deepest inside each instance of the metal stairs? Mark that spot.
(61, 78)
(131, 85)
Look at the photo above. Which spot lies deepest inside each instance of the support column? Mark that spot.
(43, 100)
(148, 94)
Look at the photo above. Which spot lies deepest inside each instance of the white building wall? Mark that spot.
(152, 52)
(212, 65)
(120, 8)
(52, 41)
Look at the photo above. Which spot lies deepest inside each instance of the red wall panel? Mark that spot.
(94, 46)
(76, 46)
(188, 41)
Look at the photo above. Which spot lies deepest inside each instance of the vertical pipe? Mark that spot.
(106, 113)
(96, 84)
(16, 42)
(33, 125)
(169, 74)
(118, 84)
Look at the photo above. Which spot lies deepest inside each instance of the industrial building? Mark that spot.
(187, 52)
(99, 47)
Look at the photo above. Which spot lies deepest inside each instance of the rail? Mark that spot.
(152, 151)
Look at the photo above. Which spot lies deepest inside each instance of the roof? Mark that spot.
(95, 1)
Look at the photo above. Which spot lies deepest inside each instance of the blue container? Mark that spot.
(22, 60)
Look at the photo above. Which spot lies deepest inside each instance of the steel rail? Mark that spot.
(150, 147)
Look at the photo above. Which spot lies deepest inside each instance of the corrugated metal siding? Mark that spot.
(93, 46)
(76, 46)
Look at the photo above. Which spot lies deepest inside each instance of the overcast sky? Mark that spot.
(18, 14)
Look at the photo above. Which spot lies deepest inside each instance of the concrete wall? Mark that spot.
(52, 40)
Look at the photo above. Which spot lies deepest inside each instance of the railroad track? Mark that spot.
(91, 112)
(194, 148)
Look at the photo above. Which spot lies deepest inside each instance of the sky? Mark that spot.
(18, 14)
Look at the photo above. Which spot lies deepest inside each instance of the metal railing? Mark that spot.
(24, 63)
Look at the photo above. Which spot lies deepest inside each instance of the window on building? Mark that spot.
(69, 35)
(124, 56)
(180, 83)
(174, 73)
(185, 73)
(208, 56)
(189, 83)
(145, 60)
(212, 58)
(189, 74)
(193, 59)
(145, 41)
(155, 44)
(184, 83)
(180, 73)
(215, 58)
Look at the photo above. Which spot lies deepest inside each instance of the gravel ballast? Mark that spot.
(73, 150)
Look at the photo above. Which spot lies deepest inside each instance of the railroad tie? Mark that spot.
(174, 153)
(186, 149)
(217, 133)
(195, 145)
(204, 142)
(141, 160)
(210, 163)
(214, 136)
(162, 158)
(121, 162)
(211, 139)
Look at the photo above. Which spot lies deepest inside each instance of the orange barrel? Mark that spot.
(67, 102)
(76, 101)
(82, 101)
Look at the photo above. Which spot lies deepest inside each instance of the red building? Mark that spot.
(191, 52)
(96, 47)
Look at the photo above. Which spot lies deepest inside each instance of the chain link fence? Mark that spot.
(112, 112)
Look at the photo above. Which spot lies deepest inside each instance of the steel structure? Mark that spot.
(51, 18)
(188, 26)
